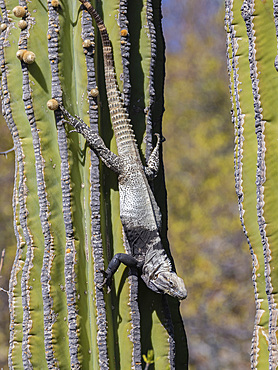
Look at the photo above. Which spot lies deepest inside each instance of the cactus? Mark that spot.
(65, 203)
(252, 66)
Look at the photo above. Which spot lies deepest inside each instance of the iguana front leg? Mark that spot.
(95, 142)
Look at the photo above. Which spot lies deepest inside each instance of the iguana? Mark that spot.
(139, 212)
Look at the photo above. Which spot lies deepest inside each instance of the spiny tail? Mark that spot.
(119, 116)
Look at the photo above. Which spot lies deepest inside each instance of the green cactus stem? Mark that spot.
(65, 202)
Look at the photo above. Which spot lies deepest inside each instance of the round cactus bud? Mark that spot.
(29, 57)
(20, 53)
(52, 104)
(55, 3)
(22, 24)
(19, 11)
(3, 26)
(94, 92)
(124, 32)
(86, 43)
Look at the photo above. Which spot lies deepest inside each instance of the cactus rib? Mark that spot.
(125, 51)
(96, 241)
(49, 317)
(248, 8)
(152, 93)
(238, 121)
(18, 197)
(70, 253)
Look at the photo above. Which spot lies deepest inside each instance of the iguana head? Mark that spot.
(167, 282)
(170, 283)
(159, 276)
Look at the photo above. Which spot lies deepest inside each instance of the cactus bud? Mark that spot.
(124, 32)
(29, 57)
(94, 92)
(22, 24)
(19, 11)
(86, 43)
(52, 104)
(55, 3)
(19, 54)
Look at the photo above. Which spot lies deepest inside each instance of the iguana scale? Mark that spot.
(139, 212)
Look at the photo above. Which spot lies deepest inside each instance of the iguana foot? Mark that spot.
(106, 281)
(113, 265)
(151, 170)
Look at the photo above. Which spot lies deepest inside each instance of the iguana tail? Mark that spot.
(124, 134)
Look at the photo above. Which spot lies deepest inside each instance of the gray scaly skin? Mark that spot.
(139, 212)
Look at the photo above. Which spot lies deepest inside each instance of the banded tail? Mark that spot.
(124, 134)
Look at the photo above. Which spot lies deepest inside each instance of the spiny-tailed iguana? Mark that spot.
(139, 212)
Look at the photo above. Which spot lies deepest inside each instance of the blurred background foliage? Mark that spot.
(206, 239)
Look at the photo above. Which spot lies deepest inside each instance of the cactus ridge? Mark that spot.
(49, 316)
(96, 239)
(135, 334)
(248, 9)
(18, 196)
(152, 94)
(238, 121)
(70, 256)
(125, 51)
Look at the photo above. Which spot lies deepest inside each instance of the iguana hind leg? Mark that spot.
(114, 264)
(151, 170)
